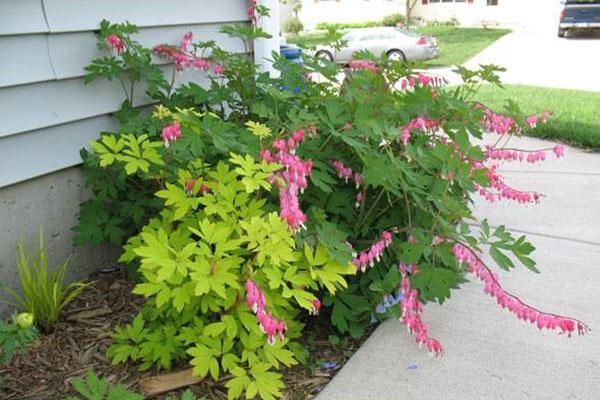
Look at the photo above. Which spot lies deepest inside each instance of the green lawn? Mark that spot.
(307, 39)
(577, 113)
(457, 44)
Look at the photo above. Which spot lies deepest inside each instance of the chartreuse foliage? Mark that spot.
(125, 170)
(195, 258)
(96, 388)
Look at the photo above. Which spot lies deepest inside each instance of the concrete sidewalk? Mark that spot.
(490, 354)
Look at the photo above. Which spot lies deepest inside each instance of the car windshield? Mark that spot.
(583, 2)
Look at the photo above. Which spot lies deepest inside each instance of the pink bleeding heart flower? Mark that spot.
(171, 133)
(114, 42)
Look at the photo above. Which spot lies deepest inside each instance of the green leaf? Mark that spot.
(501, 259)
(435, 283)
(215, 329)
(201, 360)
(237, 385)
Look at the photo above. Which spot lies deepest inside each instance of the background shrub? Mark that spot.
(347, 25)
(395, 19)
(293, 26)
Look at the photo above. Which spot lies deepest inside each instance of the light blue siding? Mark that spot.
(25, 59)
(47, 114)
(46, 150)
(78, 15)
(22, 17)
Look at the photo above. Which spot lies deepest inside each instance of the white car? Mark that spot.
(396, 43)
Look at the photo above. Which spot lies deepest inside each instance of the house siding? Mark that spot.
(343, 11)
(507, 13)
(44, 52)
(47, 113)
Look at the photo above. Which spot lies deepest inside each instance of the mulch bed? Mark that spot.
(83, 335)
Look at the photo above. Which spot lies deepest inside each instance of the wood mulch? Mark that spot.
(81, 338)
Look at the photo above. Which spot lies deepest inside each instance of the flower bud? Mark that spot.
(24, 320)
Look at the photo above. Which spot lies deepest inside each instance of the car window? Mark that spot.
(583, 2)
(402, 32)
(373, 36)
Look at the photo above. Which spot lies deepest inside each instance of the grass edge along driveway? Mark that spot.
(457, 44)
(576, 118)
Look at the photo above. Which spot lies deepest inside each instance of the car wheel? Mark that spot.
(396, 55)
(562, 32)
(324, 55)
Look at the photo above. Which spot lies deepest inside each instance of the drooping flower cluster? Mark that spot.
(115, 43)
(183, 59)
(502, 124)
(347, 174)
(362, 64)
(423, 123)
(517, 155)
(498, 123)
(186, 41)
(251, 11)
(513, 304)
(412, 310)
(532, 120)
(270, 325)
(422, 80)
(171, 133)
(501, 191)
(294, 176)
(373, 255)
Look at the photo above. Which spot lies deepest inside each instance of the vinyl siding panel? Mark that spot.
(140, 12)
(19, 17)
(25, 59)
(47, 112)
(40, 152)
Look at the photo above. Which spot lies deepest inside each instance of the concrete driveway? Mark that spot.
(540, 58)
(533, 54)
(489, 354)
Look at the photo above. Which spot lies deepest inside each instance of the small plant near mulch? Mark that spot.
(95, 388)
(250, 208)
(81, 338)
(16, 335)
(43, 291)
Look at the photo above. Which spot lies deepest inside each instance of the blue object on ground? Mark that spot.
(291, 53)
(329, 364)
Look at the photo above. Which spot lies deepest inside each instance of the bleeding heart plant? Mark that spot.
(250, 205)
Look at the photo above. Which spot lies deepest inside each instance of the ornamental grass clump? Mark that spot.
(43, 292)
(265, 201)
